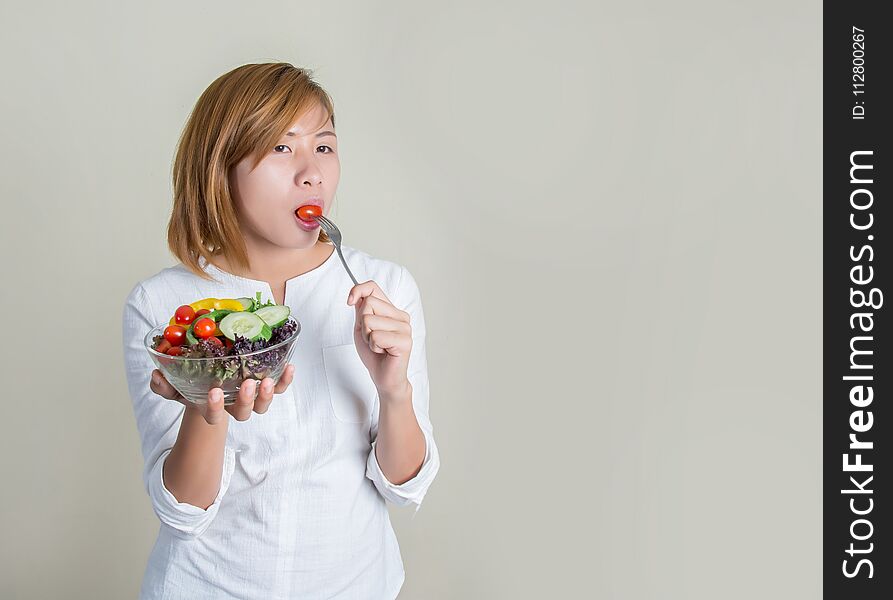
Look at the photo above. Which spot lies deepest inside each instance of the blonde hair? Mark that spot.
(242, 113)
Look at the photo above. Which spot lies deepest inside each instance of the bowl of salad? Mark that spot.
(222, 343)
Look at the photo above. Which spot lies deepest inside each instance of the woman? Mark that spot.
(282, 496)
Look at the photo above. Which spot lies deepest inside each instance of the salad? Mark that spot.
(226, 329)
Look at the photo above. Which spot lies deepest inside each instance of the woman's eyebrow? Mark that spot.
(320, 134)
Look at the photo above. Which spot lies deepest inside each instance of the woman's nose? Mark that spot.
(309, 174)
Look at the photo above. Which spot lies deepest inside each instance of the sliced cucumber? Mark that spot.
(247, 303)
(274, 315)
(246, 324)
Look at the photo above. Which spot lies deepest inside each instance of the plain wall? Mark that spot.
(613, 212)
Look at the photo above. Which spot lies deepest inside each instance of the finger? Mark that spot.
(265, 396)
(364, 290)
(372, 307)
(242, 407)
(287, 376)
(362, 311)
(395, 344)
(385, 308)
(213, 411)
(380, 323)
(160, 386)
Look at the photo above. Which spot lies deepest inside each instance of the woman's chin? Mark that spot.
(304, 241)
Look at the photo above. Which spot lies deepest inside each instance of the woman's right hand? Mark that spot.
(241, 409)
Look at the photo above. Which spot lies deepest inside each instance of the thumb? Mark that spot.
(213, 411)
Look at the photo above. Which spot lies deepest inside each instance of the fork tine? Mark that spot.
(330, 228)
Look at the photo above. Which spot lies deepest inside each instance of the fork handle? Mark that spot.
(344, 262)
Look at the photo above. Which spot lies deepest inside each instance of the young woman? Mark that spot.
(282, 495)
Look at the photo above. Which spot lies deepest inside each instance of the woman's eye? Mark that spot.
(281, 146)
(329, 147)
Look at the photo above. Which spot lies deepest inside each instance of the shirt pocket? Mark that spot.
(351, 390)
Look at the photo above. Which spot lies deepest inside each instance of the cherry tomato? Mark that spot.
(175, 334)
(201, 311)
(175, 351)
(163, 346)
(308, 211)
(204, 328)
(228, 343)
(216, 341)
(184, 315)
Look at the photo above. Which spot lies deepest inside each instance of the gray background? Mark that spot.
(613, 212)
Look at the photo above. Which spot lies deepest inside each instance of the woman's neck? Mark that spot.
(276, 270)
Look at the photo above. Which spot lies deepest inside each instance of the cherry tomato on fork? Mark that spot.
(308, 211)
(204, 328)
(175, 335)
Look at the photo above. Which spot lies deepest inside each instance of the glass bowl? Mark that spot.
(195, 377)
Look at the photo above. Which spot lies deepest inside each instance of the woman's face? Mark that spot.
(301, 168)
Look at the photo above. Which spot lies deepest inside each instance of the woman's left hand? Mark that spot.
(383, 336)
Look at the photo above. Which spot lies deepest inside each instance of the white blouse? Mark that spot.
(301, 509)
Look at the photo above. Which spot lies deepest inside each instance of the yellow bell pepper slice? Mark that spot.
(228, 304)
(208, 303)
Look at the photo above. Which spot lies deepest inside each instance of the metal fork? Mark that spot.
(335, 235)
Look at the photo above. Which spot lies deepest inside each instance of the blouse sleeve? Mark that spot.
(408, 298)
(158, 422)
